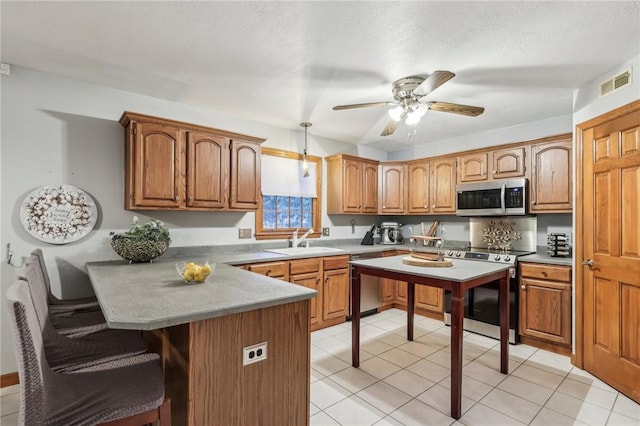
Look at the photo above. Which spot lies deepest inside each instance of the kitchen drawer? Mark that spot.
(546, 272)
(304, 266)
(336, 262)
(270, 269)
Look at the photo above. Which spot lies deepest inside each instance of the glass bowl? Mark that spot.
(191, 272)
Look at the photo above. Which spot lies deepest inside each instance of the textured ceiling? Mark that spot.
(283, 63)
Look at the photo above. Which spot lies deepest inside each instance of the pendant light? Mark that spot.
(305, 164)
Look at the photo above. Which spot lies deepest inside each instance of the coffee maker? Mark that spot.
(390, 233)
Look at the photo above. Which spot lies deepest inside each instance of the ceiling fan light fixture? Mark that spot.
(396, 113)
(413, 118)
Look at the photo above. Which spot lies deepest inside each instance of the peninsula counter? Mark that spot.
(200, 331)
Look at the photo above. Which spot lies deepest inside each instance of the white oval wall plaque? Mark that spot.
(58, 214)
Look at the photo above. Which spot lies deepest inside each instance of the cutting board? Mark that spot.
(414, 261)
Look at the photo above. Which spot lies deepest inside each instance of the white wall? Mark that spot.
(57, 130)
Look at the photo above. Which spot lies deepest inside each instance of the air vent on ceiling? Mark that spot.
(616, 82)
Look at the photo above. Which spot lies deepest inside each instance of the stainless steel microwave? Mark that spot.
(505, 197)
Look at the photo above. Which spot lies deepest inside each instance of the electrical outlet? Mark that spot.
(325, 232)
(244, 233)
(254, 353)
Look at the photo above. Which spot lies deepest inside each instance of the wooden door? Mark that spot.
(352, 186)
(245, 175)
(443, 185)
(313, 282)
(335, 294)
(507, 163)
(207, 170)
(473, 167)
(369, 188)
(418, 179)
(391, 188)
(610, 249)
(551, 177)
(158, 157)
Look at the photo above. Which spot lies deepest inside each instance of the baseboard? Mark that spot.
(9, 380)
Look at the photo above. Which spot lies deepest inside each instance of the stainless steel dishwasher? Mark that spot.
(370, 298)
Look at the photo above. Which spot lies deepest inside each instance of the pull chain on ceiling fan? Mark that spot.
(408, 93)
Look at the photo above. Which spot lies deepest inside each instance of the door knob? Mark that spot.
(588, 262)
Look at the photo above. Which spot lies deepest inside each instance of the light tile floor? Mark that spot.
(407, 383)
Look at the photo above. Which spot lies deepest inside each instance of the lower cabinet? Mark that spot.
(430, 299)
(545, 306)
(329, 276)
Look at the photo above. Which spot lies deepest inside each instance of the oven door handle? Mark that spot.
(503, 189)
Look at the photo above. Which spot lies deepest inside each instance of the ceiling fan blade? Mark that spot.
(435, 80)
(469, 110)
(390, 128)
(365, 105)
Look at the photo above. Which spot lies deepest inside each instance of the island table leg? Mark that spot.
(411, 292)
(457, 321)
(503, 301)
(355, 318)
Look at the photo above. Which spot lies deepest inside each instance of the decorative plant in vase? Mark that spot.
(141, 243)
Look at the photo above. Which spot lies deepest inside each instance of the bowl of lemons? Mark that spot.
(191, 272)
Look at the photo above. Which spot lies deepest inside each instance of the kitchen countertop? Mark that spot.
(541, 256)
(461, 270)
(148, 296)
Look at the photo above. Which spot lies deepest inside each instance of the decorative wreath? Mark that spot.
(58, 214)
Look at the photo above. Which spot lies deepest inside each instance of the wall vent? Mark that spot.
(616, 82)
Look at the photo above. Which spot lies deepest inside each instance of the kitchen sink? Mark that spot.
(304, 250)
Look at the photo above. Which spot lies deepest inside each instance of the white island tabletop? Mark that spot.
(461, 270)
(148, 296)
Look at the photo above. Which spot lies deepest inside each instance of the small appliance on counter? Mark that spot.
(558, 245)
(390, 233)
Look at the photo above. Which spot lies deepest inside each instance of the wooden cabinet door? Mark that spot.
(391, 188)
(430, 298)
(418, 182)
(506, 163)
(443, 186)
(312, 281)
(387, 290)
(545, 310)
(245, 175)
(207, 170)
(401, 292)
(369, 188)
(352, 190)
(473, 167)
(335, 294)
(551, 177)
(158, 168)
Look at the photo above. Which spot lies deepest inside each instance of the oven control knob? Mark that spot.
(507, 258)
(497, 257)
(458, 254)
(450, 253)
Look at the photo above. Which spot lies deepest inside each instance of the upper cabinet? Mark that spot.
(551, 176)
(391, 188)
(171, 165)
(443, 185)
(352, 185)
(492, 164)
(419, 200)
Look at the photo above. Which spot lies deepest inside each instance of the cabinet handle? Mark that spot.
(434, 206)
(318, 280)
(268, 273)
(177, 198)
(544, 274)
(524, 287)
(495, 171)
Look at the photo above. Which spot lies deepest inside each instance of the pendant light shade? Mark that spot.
(305, 164)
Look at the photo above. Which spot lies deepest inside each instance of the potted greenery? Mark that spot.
(141, 243)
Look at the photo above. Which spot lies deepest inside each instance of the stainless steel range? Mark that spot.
(499, 240)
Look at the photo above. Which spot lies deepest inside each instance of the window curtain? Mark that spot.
(284, 176)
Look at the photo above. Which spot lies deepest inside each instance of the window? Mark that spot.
(279, 215)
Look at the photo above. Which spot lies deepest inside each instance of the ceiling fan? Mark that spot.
(408, 93)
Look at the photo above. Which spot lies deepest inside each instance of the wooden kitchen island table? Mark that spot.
(200, 331)
(462, 276)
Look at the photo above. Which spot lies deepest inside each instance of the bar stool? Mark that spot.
(67, 354)
(126, 391)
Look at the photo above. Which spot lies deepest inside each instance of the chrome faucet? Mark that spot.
(295, 241)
